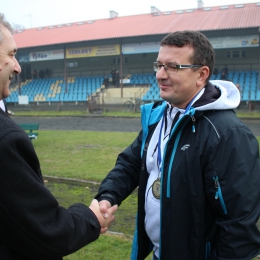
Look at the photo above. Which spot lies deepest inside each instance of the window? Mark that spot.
(228, 54)
(236, 54)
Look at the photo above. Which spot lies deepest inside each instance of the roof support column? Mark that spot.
(65, 69)
(121, 69)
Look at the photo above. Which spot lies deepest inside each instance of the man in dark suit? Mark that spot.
(32, 224)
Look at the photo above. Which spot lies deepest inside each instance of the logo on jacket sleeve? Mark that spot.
(184, 147)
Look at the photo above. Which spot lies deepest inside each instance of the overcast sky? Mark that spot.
(37, 13)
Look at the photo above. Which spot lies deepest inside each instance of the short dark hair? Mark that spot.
(6, 24)
(203, 51)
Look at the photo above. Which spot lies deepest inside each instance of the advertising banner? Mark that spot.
(93, 51)
(145, 47)
(234, 41)
(46, 55)
(217, 43)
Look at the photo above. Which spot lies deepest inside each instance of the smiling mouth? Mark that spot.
(165, 86)
(11, 76)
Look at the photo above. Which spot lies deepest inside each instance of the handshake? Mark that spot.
(104, 212)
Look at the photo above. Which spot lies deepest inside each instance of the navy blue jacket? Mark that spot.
(210, 195)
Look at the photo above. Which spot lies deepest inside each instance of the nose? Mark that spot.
(17, 67)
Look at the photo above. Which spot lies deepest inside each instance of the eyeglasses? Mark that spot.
(173, 68)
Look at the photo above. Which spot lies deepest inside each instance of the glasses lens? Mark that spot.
(172, 68)
(155, 67)
(168, 68)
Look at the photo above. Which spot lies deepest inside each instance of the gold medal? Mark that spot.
(156, 188)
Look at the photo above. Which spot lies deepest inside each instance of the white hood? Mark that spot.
(229, 97)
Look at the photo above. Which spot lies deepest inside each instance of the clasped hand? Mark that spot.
(104, 212)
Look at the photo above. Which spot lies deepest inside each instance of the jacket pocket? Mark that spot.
(218, 194)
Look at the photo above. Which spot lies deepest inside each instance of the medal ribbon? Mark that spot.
(159, 157)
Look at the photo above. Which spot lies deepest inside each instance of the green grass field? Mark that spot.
(88, 156)
(80, 154)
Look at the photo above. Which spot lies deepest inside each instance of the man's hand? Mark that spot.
(104, 205)
(105, 217)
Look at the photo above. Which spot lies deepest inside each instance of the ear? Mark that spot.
(203, 74)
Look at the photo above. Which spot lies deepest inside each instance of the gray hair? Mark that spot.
(6, 24)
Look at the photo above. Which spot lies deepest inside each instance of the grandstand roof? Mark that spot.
(204, 19)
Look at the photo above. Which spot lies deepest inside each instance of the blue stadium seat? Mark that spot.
(245, 96)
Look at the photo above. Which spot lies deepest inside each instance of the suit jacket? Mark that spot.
(32, 224)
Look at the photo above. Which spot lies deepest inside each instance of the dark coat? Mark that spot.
(32, 224)
(210, 196)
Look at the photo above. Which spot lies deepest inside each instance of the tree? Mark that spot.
(18, 27)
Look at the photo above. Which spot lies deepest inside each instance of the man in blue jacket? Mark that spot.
(32, 223)
(196, 165)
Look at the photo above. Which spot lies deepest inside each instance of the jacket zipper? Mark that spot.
(218, 194)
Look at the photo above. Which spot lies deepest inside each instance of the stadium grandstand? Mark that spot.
(80, 55)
